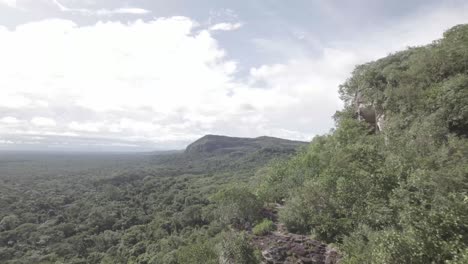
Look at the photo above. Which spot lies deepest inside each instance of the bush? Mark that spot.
(237, 206)
(9, 222)
(198, 253)
(235, 248)
(263, 228)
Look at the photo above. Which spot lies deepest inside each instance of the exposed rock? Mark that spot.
(380, 122)
(292, 248)
(369, 112)
(366, 113)
(332, 256)
(284, 247)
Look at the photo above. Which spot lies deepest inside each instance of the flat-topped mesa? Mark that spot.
(215, 144)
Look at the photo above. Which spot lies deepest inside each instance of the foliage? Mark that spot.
(198, 253)
(235, 249)
(399, 195)
(263, 228)
(129, 208)
(9, 222)
(237, 206)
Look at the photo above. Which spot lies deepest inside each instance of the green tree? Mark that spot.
(237, 205)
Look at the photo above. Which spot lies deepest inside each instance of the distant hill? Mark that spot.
(219, 145)
(214, 153)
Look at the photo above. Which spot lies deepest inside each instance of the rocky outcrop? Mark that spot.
(369, 112)
(283, 247)
(291, 248)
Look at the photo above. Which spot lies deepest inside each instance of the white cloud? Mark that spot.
(85, 127)
(43, 122)
(10, 3)
(265, 71)
(128, 10)
(169, 81)
(103, 12)
(225, 26)
(13, 100)
(9, 120)
(4, 141)
(144, 80)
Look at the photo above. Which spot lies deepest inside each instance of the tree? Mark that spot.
(237, 205)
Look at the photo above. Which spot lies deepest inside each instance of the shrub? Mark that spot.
(198, 253)
(235, 248)
(237, 205)
(263, 228)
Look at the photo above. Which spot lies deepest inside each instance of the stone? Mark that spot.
(283, 247)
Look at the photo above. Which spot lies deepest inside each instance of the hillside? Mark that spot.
(390, 183)
(223, 153)
(211, 145)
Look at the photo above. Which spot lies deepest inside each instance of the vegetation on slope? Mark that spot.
(139, 208)
(398, 195)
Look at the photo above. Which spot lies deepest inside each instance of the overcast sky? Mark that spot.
(152, 74)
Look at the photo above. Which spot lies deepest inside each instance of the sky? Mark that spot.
(142, 75)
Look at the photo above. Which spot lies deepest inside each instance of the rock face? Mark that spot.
(284, 247)
(369, 112)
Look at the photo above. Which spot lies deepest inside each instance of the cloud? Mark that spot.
(10, 3)
(43, 122)
(84, 127)
(14, 100)
(130, 10)
(103, 12)
(157, 81)
(4, 141)
(313, 79)
(165, 82)
(225, 26)
(9, 120)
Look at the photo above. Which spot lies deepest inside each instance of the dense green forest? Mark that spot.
(389, 184)
(133, 208)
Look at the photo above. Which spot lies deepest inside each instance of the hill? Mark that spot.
(222, 153)
(390, 183)
(211, 145)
